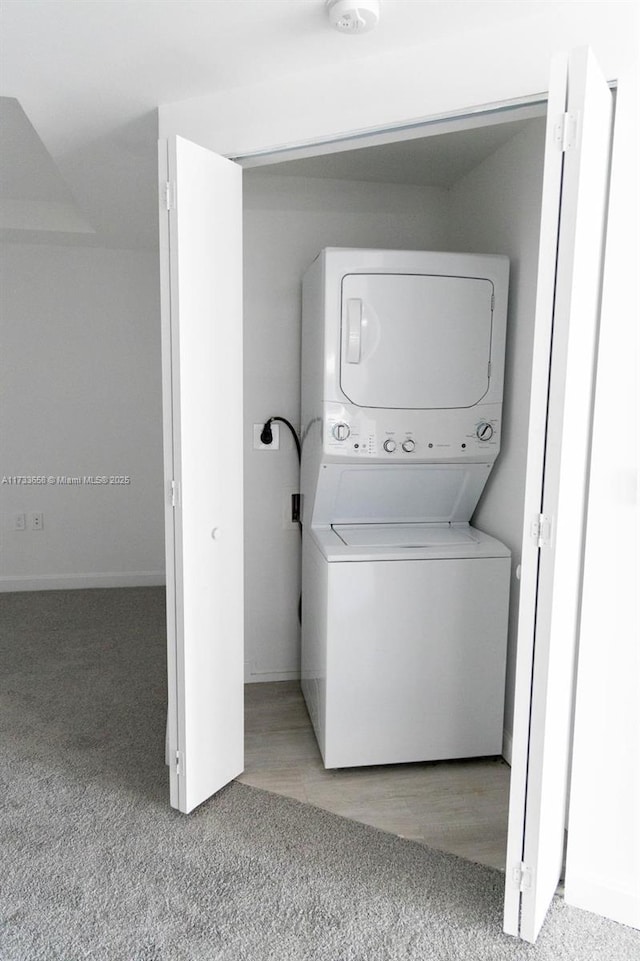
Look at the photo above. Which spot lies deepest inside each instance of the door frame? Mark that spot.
(469, 118)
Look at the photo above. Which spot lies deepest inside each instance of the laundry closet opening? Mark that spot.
(467, 185)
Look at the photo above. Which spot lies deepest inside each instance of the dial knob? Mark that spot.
(484, 431)
(389, 445)
(341, 431)
(408, 445)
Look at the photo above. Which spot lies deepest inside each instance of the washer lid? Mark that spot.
(462, 542)
(405, 535)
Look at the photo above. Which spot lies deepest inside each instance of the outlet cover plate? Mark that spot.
(257, 443)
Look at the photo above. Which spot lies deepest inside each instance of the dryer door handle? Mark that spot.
(354, 330)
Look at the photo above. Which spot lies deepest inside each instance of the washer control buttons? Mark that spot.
(389, 445)
(340, 431)
(408, 445)
(484, 431)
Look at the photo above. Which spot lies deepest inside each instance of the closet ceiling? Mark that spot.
(437, 160)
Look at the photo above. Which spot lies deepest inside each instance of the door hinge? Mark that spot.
(173, 493)
(489, 371)
(493, 302)
(169, 195)
(522, 876)
(541, 530)
(566, 131)
(178, 763)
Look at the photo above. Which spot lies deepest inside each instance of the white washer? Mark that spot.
(404, 604)
(404, 653)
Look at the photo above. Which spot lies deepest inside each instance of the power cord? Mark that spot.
(266, 437)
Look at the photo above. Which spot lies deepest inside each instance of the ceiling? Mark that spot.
(86, 77)
(432, 161)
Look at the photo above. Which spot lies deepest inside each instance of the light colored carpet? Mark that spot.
(95, 864)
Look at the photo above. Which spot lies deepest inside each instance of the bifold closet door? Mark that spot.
(574, 202)
(201, 277)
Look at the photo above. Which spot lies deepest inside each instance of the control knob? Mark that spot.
(484, 431)
(408, 445)
(389, 445)
(341, 431)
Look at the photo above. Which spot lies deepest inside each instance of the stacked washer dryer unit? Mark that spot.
(404, 603)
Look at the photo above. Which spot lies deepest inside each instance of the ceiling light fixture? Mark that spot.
(353, 16)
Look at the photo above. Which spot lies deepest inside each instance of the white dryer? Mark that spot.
(404, 603)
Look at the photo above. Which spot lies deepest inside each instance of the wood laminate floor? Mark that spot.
(456, 806)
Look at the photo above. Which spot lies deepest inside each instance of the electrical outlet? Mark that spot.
(257, 443)
(19, 522)
(36, 521)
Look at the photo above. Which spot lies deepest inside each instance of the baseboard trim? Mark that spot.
(264, 676)
(507, 746)
(65, 582)
(603, 897)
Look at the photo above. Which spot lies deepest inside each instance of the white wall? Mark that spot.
(287, 222)
(452, 74)
(496, 209)
(81, 397)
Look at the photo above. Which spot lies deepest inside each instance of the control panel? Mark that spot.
(412, 435)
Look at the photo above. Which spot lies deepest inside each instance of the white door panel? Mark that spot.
(415, 341)
(574, 209)
(201, 262)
